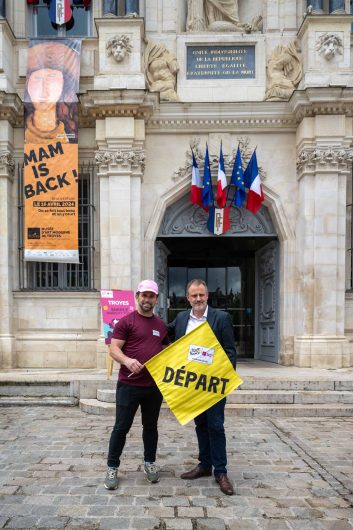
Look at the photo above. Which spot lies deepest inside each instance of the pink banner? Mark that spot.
(115, 304)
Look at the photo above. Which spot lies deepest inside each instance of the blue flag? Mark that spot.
(207, 193)
(238, 180)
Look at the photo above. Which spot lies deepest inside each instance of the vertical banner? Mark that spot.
(51, 151)
(115, 305)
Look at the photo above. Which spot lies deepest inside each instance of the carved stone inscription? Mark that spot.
(220, 62)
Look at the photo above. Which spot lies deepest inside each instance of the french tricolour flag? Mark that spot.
(60, 11)
(196, 183)
(221, 182)
(253, 182)
(218, 220)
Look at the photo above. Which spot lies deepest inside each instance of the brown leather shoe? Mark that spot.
(197, 472)
(225, 484)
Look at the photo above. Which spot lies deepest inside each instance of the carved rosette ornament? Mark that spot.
(245, 151)
(129, 160)
(6, 159)
(310, 157)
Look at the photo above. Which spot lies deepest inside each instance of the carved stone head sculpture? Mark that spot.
(328, 45)
(119, 46)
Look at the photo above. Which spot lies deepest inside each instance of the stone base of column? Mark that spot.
(102, 354)
(317, 351)
(286, 356)
(7, 352)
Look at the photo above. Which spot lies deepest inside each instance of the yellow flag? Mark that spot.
(194, 373)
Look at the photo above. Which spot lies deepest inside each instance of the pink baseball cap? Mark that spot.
(147, 285)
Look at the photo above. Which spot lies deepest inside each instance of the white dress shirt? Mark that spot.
(194, 322)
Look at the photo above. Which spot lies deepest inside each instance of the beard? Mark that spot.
(146, 307)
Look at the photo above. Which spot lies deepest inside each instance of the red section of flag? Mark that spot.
(255, 200)
(221, 182)
(226, 219)
(255, 195)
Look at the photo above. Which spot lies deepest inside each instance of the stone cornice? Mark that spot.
(312, 158)
(98, 104)
(11, 109)
(322, 100)
(130, 160)
(193, 117)
(317, 19)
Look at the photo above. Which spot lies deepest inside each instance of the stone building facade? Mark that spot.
(284, 274)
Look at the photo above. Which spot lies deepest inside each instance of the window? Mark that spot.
(42, 276)
(41, 26)
(349, 234)
(120, 7)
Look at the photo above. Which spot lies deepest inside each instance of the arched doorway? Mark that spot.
(240, 268)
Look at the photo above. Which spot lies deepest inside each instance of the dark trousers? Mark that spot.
(128, 399)
(212, 439)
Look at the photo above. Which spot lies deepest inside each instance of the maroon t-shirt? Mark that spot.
(145, 337)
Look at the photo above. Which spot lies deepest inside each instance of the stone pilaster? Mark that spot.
(121, 162)
(7, 166)
(324, 161)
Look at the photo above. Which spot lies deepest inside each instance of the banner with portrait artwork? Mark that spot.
(51, 151)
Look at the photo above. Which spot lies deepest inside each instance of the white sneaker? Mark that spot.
(151, 472)
(111, 479)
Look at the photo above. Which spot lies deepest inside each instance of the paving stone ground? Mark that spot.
(289, 473)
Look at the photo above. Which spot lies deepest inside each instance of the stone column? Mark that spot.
(337, 7)
(120, 159)
(317, 6)
(324, 161)
(7, 167)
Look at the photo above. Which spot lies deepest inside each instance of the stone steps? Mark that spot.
(37, 393)
(259, 395)
(29, 401)
(93, 406)
(267, 396)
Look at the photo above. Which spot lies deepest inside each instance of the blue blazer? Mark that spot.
(220, 323)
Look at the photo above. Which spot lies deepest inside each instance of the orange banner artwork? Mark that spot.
(51, 152)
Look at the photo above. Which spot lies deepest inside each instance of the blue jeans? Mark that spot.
(212, 439)
(128, 399)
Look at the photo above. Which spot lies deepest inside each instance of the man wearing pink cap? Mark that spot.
(137, 337)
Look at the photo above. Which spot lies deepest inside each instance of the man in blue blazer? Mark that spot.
(210, 424)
